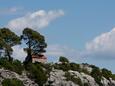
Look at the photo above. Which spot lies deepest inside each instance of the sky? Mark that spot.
(81, 30)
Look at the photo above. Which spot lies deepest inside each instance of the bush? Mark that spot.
(15, 65)
(64, 66)
(75, 67)
(86, 84)
(47, 66)
(72, 78)
(12, 82)
(106, 73)
(63, 59)
(96, 73)
(56, 66)
(85, 71)
(36, 73)
(113, 76)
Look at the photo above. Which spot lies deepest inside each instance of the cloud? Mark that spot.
(103, 46)
(35, 20)
(18, 53)
(57, 50)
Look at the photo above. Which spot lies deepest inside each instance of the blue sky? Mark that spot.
(76, 27)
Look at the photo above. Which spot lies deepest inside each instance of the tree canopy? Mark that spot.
(35, 42)
(63, 59)
(8, 39)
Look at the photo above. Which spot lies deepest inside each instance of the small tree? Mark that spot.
(9, 39)
(63, 59)
(35, 43)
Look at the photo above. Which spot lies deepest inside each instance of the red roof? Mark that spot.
(39, 56)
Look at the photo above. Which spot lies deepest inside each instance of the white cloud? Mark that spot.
(102, 46)
(57, 50)
(36, 20)
(18, 53)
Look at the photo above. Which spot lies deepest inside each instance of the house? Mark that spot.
(39, 58)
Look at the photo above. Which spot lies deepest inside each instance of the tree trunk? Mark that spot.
(29, 53)
(9, 56)
(29, 56)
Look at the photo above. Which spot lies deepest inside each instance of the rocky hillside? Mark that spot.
(10, 75)
(77, 78)
(63, 73)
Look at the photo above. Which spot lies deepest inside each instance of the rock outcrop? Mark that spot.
(6, 74)
(58, 78)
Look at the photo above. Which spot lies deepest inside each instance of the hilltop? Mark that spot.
(63, 73)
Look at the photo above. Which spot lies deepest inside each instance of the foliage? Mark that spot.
(12, 82)
(75, 67)
(48, 67)
(33, 40)
(86, 84)
(113, 76)
(96, 73)
(63, 66)
(15, 65)
(2, 43)
(36, 73)
(85, 71)
(63, 59)
(106, 73)
(72, 78)
(8, 40)
(69, 66)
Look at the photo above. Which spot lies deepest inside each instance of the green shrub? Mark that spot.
(63, 59)
(85, 71)
(86, 84)
(37, 73)
(93, 66)
(15, 65)
(75, 67)
(56, 66)
(113, 76)
(96, 73)
(47, 66)
(68, 76)
(74, 79)
(106, 73)
(12, 82)
(63, 66)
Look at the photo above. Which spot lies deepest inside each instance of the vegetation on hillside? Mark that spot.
(37, 71)
(15, 65)
(12, 82)
(8, 39)
(40, 72)
(34, 40)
